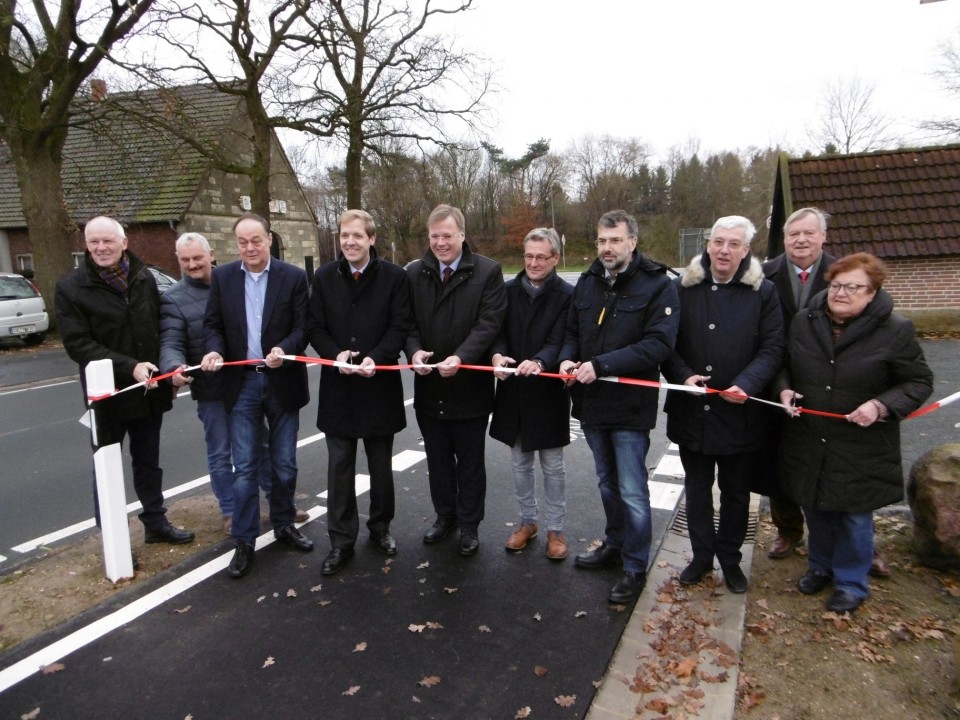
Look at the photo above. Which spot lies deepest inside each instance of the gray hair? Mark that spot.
(821, 216)
(736, 221)
(614, 217)
(546, 234)
(192, 237)
(121, 233)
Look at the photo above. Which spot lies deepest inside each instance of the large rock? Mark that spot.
(934, 494)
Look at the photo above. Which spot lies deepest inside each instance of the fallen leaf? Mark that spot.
(450, 591)
(686, 667)
(762, 602)
(565, 700)
(52, 668)
(360, 647)
(484, 628)
(536, 616)
(658, 705)
(580, 613)
(30, 715)
(352, 690)
(261, 598)
(662, 564)
(316, 588)
(618, 608)
(424, 564)
(385, 570)
(268, 662)
(429, 681)
(183, 609)
(415, 698)
(523, 712)
(434, 626)
(539, 670)
(291, 593)
(416, 628)
(324, 603)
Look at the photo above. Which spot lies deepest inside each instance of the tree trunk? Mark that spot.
(262, 155)
(354, 170)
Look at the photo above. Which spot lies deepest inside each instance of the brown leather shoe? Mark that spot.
(781, 548)
(556, 545)
(521, 536)
(879, 567)
(302, 516)
(227, 525)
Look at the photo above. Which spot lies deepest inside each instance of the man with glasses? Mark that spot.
(257, 310)
(533, 414)
(731, 339)
(459, 303)
(623, 322)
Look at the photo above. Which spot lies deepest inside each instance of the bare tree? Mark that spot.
(850, 121)
(948, 75)
(46, 54)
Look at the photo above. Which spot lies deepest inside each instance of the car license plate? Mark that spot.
(23, 329)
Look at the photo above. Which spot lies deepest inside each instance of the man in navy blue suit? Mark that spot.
(258, 311)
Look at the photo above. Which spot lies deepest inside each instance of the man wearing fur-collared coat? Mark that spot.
(731, 339)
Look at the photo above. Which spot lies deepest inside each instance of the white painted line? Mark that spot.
(10, 676)
(664, 496)
(2, 558)
(673, 447)
(54, 536)
(310, 439)
(670, 466)
(39, 387)
(407, 459)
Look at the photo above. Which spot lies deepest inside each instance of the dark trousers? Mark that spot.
(144, 437)
(788, 517)
(733, 474)
(343, 520)
(458, 476)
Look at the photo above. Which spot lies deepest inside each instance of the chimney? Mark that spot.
(98, 89)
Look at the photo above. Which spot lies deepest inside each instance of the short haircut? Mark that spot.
(615, 217)
(735, 221)
(875, 270)
(190, 238)
(369, 225)
(121, 233)
(442, 212)
(821, 216)
(264, 223)
(547, 234)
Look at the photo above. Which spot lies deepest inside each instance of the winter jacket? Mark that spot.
(732, 332)
(98, 322)
(461, 318)
(532, 409)
(181, 335)
(625, 330)
(828, 463)
(371, 316)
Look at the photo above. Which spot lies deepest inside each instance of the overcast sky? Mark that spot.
(728, 73)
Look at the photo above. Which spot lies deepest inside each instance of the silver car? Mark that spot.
(23, 313)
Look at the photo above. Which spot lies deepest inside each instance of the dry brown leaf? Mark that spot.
(416, 628)
(762, 602)
(539, 670)
(360, 647)
(449, 591)
(523, 712)
(429, 681)
(658, 705)
(324, 603)
(52, 668)
(316, 588)
(414, 698)
(352, 690)
(434, 626)
(565, 700)
(424, 564)
(580, 613)
(32, 715)
(618, 608)
(291, 593)
(385, 570)
(268, 662)
(484, 628)
(261, 598)
(536, 616)
(686, 667)
(181, 611)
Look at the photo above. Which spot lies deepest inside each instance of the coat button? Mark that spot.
(714, 287)
(712, 326)
(709, 368)
(353, 339)
(828, 388)
(706, 407)
(823, 441)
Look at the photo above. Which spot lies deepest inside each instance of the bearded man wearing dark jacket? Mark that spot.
(108, 309)
(623, 322)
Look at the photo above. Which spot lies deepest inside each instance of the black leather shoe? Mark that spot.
(695, 572)
(438, 532)
(167, 534)
(242, 560)
(628, 588)
(841, 601)
(603, 556)
(385, 542)
(292, 536)
(812, 582)
(335, 561)
(734, 578)
(469, 544)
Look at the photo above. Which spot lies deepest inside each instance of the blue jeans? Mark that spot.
(620, 457)
(840, 544)
(254, 406)
(554, 483)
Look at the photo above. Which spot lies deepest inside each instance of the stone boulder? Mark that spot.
(934, 494)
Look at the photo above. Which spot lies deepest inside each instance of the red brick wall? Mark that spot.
(924, 282)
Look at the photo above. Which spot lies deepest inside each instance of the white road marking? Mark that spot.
(664, 496)
(39, 387)
(670, 466)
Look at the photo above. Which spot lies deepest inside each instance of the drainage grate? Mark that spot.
(680, 524)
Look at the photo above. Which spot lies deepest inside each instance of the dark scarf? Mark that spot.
(118, 275)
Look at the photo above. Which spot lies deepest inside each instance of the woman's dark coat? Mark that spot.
(831, 464)
(732, 332)
(371, 316)
(535, 410)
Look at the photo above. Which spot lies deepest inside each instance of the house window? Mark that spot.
(25, 262)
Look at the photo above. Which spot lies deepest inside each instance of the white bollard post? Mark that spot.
(108, 465)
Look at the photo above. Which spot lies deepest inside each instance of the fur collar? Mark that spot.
(750, 274)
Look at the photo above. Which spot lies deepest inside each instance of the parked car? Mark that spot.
(23, 313)
(165, 280)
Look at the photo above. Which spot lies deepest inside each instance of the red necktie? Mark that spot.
(803, 277)
(447, 272)
(356, 275)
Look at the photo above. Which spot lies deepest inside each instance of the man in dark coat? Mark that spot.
(798, 275)
(623, 321)
(731, 338)
(459, 303)
(533, 414)
(359, 316)
(258, 311)
(108, 308)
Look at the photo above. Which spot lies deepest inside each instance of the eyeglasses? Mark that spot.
(733, 245)
(256, 242)
(539, 258)
(848, 288)
(613, 242)
(446, 237)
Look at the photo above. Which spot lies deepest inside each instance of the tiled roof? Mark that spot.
(900, 203)
(116, 164)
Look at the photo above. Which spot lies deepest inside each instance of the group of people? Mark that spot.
(726, 324)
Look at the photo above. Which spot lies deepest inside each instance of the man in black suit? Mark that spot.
(798, 275)
(258, 311)
(359, 315)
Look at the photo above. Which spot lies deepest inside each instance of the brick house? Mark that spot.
(901, 205)
(157, 185)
